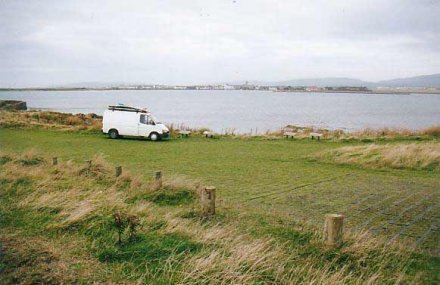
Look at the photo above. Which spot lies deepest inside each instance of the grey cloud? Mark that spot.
(55, 42)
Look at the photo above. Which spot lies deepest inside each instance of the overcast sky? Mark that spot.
(47, 43)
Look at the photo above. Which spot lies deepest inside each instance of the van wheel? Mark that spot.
(154, 137)
(113, 134)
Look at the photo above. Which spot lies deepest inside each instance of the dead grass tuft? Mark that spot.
(29, 158)
(137, 184)
(178, 182)
(35, 260)
(99, 168)
(31, 262)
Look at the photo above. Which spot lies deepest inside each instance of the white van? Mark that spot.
(129, 121)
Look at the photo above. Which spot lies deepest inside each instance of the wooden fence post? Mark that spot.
(158, 179)
(333, 229)
(208, 201)
(118, 171)
(54, 160)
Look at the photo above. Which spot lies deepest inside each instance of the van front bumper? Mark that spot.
(165, 136)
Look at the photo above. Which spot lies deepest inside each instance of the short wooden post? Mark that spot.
(158, 179)
(54, 160)
(333, 229)
(208, 201)
(118, 171)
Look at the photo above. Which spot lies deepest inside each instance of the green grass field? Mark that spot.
(264, 186)
(270, 179)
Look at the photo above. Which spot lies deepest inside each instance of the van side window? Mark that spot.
(143, 119)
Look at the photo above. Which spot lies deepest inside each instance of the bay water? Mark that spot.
(250, 111)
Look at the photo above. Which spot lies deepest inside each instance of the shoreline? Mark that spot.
(40, 118)
(391, 92)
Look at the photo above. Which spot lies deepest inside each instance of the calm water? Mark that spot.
(252, 110)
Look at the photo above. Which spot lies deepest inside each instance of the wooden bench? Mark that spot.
(315, 135)
(209, 134)
(184, 133)
(289, 135)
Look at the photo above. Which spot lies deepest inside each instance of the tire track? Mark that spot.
(272, 193)
(415, 220)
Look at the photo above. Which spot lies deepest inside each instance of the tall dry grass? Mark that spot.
(367, 133)
(175, 128)
(50, 120)
(424, 156)
(387, 133)
(431, 131)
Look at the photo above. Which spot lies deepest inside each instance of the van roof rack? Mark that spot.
(127, 109)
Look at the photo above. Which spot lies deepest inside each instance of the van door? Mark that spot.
(145, 126)
(125, 122)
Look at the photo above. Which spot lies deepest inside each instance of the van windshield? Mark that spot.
(154, 119)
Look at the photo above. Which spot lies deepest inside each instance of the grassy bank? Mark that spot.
(93, 123)
(272, 199)
(50, 120)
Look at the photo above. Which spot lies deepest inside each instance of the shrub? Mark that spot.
(123, 222)
(120, 223)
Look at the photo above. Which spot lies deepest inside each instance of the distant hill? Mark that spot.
(417, 81)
